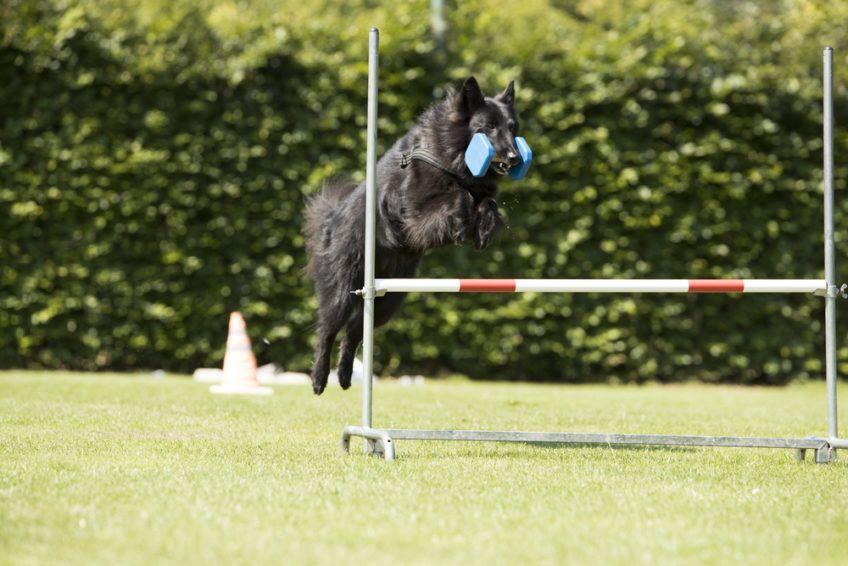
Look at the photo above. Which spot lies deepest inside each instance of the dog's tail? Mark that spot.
(320, 209)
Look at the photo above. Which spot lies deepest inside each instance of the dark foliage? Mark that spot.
(153, 174)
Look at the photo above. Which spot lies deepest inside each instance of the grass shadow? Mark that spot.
(517, 449)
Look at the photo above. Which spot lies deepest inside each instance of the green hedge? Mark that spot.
(155, 157)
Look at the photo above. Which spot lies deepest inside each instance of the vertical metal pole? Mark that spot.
(370, 228)
(437, 22)
(829, 256)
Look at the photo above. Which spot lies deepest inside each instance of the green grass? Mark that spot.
(123, 469)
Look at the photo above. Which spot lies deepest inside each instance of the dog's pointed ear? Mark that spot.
(508, 95)
(470, 96)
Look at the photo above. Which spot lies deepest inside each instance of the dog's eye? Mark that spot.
(511, 125)
(491, 125)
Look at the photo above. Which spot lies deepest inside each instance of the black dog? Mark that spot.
(426, 198)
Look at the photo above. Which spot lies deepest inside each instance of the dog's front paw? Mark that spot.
(488, 223)
(462, 220)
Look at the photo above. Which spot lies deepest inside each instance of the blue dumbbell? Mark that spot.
(517, 172)
(479, 155)
(480, 152)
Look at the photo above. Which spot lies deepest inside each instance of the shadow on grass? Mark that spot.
(515, 450)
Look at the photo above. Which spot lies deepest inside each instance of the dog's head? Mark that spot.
(494, 116)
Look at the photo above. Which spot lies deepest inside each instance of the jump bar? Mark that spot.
(818, 286)
(379, 441)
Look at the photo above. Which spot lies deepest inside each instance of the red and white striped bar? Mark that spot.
(817, 286)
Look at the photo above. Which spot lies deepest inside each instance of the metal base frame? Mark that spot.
(381, 441)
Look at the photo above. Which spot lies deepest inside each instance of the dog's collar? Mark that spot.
(422, 154)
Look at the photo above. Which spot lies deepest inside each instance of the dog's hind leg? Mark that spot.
(347, 352)
(384, 308)
(329, 324)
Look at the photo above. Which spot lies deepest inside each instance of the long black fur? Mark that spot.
(419, 207)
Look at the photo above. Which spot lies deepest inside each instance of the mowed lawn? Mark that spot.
(133, 470)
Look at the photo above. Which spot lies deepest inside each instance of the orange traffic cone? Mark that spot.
(239, 363)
